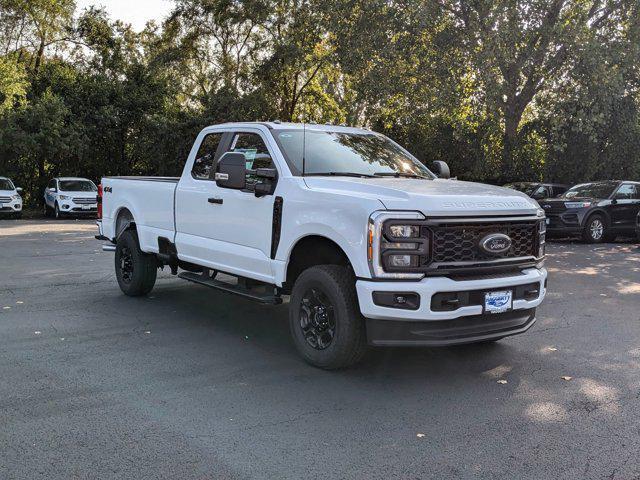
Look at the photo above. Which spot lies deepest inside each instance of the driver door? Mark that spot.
(222, 228)
(243, 220)
(626, 206)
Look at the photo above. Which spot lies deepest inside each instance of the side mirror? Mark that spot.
(441, 169)
(19, 190)
(231, 171)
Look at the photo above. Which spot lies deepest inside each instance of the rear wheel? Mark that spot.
(595, 230)
(325, 321)
(135, 270)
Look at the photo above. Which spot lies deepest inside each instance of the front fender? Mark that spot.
(354, 247)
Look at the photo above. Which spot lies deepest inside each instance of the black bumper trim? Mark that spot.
(432, 333)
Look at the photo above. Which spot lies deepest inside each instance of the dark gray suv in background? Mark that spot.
(598, 211)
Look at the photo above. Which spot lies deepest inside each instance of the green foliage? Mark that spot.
(501, 90)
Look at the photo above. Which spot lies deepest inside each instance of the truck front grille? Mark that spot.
(5, 199)
(461, 242)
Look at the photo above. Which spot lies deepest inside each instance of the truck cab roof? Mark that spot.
(277, 125)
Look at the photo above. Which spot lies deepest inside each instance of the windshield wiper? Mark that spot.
(338, 174)
(399, 174)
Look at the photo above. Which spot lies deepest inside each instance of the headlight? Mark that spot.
(64, 197)
(577, 204)
(542, 240)
(16, 197)
(388, 250)
(404, 231)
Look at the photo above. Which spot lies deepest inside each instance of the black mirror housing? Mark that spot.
(441, 169)
(231, 171)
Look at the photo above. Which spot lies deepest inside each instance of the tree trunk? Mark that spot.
(512, 117)
(39, 56)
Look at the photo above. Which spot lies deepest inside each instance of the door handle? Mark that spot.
(217, 201)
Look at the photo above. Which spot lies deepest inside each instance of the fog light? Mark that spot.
(402, 261)
(402, 300)
(65, 206)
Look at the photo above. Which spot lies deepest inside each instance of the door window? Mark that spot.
(541, 192)
(254, 150)
(52, 184)
(627, 191)
(205, 158)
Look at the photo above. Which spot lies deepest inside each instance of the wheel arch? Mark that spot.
(311, 250)
(124, 221)
(598, 211)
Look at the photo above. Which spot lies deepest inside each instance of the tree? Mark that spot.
(520, 48)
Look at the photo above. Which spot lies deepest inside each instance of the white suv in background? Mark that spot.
(70, 196)
(10, 199)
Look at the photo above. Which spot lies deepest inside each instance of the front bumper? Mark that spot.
(15, 206)
(568, 222)
(476, 328)
(431, 324)
(70, 207)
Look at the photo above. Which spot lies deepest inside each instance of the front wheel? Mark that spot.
(325, 321)
(595, 230)
(57, 212)
(135, 270)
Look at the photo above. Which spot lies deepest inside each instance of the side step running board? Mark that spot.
(230, 288)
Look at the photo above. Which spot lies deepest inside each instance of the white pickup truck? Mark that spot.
(371, 246)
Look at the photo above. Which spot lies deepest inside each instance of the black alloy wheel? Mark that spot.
(317, 319)
(126, 265)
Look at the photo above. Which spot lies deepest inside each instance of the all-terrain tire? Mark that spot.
(136, 271)
(335, 285)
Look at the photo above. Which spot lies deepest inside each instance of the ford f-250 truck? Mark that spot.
(370, 245)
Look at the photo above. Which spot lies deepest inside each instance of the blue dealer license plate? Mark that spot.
(498, 302)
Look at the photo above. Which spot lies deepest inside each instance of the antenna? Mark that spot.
(304, 141)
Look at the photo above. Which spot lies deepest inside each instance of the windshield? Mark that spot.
(591, 190)
(336, 153)
(77, 186)
(6, 184)
(528, 188)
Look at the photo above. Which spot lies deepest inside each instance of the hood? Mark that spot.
(432, 197)
(8, 192)
(557, 201)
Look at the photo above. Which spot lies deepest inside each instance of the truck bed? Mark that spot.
(150, 201)
(146, 179)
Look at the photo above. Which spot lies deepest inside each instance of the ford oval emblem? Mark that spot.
(495, 243)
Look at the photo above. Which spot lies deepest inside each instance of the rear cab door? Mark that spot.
(226, 229)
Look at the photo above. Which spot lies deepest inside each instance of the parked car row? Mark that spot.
(596, 211)
(62, 196)
(10, 198)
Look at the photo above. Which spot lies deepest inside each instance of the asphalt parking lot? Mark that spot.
(192, 383)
